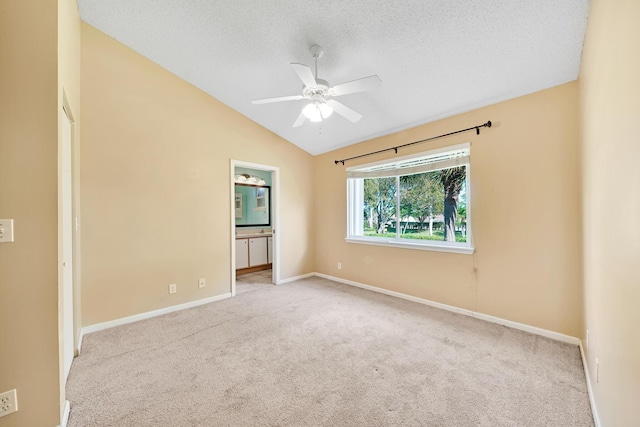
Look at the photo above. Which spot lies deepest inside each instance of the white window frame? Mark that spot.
(355, 201)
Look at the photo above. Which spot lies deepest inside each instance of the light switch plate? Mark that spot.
(6, 230)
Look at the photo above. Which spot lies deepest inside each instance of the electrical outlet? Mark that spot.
(202, 282)
(6, 230)
(8, 402)
(597, 370)
(339, 266)
(172, 288)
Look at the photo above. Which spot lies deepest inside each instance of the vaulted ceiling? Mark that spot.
(435, 58)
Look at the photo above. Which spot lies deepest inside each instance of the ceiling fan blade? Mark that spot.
(305, 75)
(360, 85)
(299, 121)
(344, 111)
(277, 99)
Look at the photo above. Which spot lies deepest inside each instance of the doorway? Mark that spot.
(255, 281)
(255, 243)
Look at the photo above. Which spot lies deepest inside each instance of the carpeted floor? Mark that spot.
(315, 352)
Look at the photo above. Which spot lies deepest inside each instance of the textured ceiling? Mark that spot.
(435, 58)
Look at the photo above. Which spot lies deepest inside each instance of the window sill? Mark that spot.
(394, 243)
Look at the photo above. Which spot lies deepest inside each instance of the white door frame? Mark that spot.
(66, 248)
(275, 217)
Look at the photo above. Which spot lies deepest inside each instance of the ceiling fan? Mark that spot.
(318, 92)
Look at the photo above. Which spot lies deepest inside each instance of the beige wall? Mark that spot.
(28, 194)
(526, 216)
(610, 113)
(156, 186)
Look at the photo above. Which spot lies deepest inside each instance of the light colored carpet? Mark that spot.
(315, 352)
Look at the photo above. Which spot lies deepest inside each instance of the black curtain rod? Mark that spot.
(477, 128)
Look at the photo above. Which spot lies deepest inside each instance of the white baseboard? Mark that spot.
(293, 279)
(396, 294)
(592, 400)
(80, 337)
(514, 325)
(65, 415)
(528, 328)
(149, 314)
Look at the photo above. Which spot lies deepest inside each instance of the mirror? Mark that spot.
(253, 206)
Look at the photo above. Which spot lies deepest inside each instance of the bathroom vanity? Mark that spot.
(254, 252)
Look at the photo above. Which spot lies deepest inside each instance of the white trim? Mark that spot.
(80, 337)
(592, 400)
(66, 241)
(65, 415)
(411, 244)
(275, 240)
(149, 314)
(511, 324)
(232, 229)
(294, 278)
(396, 294)
(528, 328)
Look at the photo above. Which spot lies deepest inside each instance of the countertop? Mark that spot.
(254, 235)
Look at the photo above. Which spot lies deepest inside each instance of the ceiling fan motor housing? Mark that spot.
(322, 88)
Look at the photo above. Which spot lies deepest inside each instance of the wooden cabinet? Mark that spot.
(253, 253)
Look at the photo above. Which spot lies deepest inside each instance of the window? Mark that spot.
(261, 199)
(419, 201)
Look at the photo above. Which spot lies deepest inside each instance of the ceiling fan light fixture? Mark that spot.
(312, 112)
